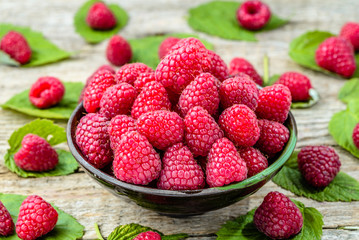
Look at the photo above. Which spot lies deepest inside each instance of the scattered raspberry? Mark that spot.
(201, 131)
(356, 135)
(336, 54)
(149, 235)
(130, 72)
(93, 139)
(36, 154)
(318, 164)
(202, 91)
(278, 217)
(142, 80)
(100, 17)
(118, 51)
(46, 92)
(118, 126)
(274, 103)
(239, 90)
(218, 68)
(162, 128)
(6, 223)
(180, 170)
(224, 165)
(350, 31)
(254, 159)
(240, 125)
(253, 14)
(241, 65)
(298, 85)
(166, 45)
(36, 218)
(117, 99)
(16, 46)
(136, 161)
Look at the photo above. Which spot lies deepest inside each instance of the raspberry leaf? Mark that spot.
(349, 92)
(66, 228)
(7, 60)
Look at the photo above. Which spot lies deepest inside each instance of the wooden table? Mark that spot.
(80, 196)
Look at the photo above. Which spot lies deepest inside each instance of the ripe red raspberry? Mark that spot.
(318, 164)
(136, 161)
(255, 160)
(218, 67)
(224, 165)
(355, 135)
(46, 92)
(118, 126)
(166, 45)
(152, 97)
(240, 125)
(253, 14)
(298, 85)
(36, 154)
(100, 17)
(336, 54)
(274, 103)
(16, 46)
(36, 218)
(130, 72)
(273, 137)
(241, 65)
(278, 217)
(180, 170)
(93, 139)
(142, 80)
(202, 91)
(118, 51)
(95, 90)
(201, 131)
(117, 99)
(149, 235)
(350, 31)
(239, 90)
(6, 223)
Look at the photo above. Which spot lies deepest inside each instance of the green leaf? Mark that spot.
(7, 60)
(66, 228)
(43, 51)
(342, 188)
(95, 36)
(21, 103)
(218, 18)
(349, 91)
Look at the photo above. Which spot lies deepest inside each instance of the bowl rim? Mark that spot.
(276, 165)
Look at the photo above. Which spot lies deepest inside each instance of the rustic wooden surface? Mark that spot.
(80, 196)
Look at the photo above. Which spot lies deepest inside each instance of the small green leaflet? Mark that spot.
(342, 188)
(350, 91)
(218, 18)
(7, 60)
(21, 103)
(244, 228)
(96, 36)
(54, 134)
(43, 51)
(66, 228)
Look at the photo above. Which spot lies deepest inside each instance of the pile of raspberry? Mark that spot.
(186, 125)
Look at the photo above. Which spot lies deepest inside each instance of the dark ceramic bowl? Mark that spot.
(180, 203)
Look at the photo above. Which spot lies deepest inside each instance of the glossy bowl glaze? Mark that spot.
(181, 203)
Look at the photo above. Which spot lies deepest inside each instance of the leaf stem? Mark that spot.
(265, 70)
(98, 233)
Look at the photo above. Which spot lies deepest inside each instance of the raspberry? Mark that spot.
(93, 139)
(350, 31)
(274, 103)
(166, 45)
(218, 67)
(46, 92)
(318, 164)
(254, 159)
(136, 161)
(298, 85)
(253, 14)
(6, 223)
(273, 137)
(95, 90)
(240, 125)
(142, 80)
(118, 126)
(278, 217)
(16, 46)
(36, 154)
(118, 51)
(36, 218)
(152, 97)
(201, 131)
(239, 90)
(224, 165)
(336, 54)
(200, 92)
(129, 72)
(149, 235)
(100, 17)
(355, 135)
(117, 99)
(241, 65)
(180, 170)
